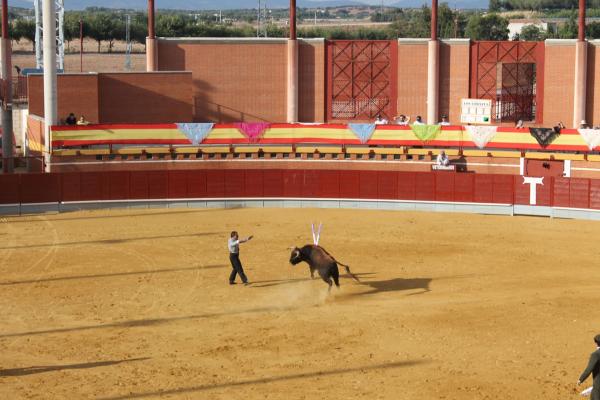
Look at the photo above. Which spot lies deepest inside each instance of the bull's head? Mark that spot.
(296, 256)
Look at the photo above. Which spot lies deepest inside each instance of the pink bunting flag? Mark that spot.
(253, 130)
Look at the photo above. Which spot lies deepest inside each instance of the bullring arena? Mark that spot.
(134, 303)
(473, 233)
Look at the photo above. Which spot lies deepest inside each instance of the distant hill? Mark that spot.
(459, 4)
(247, 4)
(202, 4)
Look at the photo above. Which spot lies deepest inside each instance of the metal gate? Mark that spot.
(511, 74)
(361, 79)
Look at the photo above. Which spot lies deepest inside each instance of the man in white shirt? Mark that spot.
(402, 120)
(442, 159)
(234, 257)
(380, 121)
(419, 121)
(444, 121)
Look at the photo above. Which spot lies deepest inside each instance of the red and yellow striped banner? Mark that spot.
(384, 135)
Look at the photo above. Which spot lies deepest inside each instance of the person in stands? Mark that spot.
(442, 159)
(82, 121)
(419, 121)
(380, 121)
(71, 119)
(444, 121)
(402, 120)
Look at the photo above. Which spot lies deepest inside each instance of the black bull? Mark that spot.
(320, 260)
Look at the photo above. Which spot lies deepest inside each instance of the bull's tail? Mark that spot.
(348, 271)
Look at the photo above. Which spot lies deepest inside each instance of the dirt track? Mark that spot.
(135, 304)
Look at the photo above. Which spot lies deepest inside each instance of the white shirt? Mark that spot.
(418, 123)
(444, 123)
(442, 159)
(233, 245)
(381, 121)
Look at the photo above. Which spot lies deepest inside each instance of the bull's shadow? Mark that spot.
(396, 284)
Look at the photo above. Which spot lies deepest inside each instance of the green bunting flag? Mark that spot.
(426, 132)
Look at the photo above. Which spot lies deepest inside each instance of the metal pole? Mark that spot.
(151, 56)
(49, 46)
(581, 31)
(433, 54)
(80, 45)
(7, 122)
(292, 19)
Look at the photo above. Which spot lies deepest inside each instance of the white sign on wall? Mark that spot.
(475, 111)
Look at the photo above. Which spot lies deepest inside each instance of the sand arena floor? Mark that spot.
(135, 304)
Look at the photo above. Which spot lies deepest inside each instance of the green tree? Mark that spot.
(24, 29)
(101, 27)
(495, 6)
(71, 27)
(532, 33)
(569, 29)
(488, 27)
(592, 30)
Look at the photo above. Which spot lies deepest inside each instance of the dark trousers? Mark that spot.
(237, 268)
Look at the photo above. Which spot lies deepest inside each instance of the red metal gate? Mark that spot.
(362, 79)
(511, 74)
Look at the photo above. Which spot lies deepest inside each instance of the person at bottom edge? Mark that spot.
(594, 369)
(234, 257)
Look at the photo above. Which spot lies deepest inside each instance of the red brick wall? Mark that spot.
(77, 93)
(145, 97)
(412, 77)
(559, 78)
(118, 97)
(311, 80)
(593, 83)
(233, 80)
(454, 77)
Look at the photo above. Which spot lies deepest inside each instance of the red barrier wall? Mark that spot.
(336, 184)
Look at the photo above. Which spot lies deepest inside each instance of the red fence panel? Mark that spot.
(483, 189)
(407, 185)
(94, 186)
(444, 186)
(425, 186)
(522, 191)
(196, 184)
(40, 188)
(9, 188)
(70, 186)
(579, 195)
(235, 183)
(561, 192)
(544, 192)
(368, 184)
(118, 184)
(177, 184)
(387, 185)
(273, 183)
(215, 183)
(464, 185)
(289, 182)
(349, 184)
(329, 184)
(253, 183)
(503, 189)
(595, 193)
(158, 184)
(138, 185)
(310, 188)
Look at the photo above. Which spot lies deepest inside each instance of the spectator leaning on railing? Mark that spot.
(402, 120)
(419, 121)
(444, 121)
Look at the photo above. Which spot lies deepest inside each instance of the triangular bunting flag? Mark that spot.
(544, 136)
(253, 130)
(591, 137)
(196, 133)
(362, 131)
(481, 135)
(426, 132)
